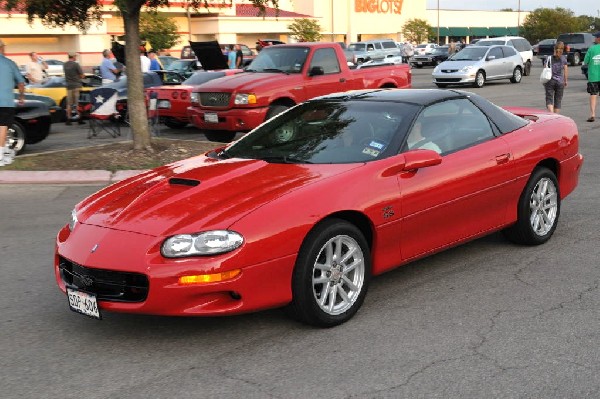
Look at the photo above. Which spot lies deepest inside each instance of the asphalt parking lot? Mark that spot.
(483, 320)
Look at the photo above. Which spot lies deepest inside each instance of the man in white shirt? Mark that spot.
(145, 61)
(35, 68)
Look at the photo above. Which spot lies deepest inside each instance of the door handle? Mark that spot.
(504, 158)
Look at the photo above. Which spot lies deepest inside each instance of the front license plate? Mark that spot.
(419, 63)
(83, 302)
(211, 118)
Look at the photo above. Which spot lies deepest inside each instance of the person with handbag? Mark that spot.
(555, 87)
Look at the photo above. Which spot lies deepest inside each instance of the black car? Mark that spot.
(31, 125)
(436, 57)
(57, 113)
(576, 45)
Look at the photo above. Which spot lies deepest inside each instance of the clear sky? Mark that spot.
(579, 7)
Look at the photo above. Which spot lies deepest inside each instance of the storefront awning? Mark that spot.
(459, 31)
(444, 31)
(479, 31)
(513, 30)
(499, 31)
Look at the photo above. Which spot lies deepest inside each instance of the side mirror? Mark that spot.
(417, 159)
(316, 70)
(490, 57)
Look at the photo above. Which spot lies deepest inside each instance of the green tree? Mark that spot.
(84, 13)
(159, 30)
(417, 30)
(305, 30)
(545, 23)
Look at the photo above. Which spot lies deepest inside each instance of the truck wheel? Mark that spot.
(275, 110)
(16, 138)
(527, 70)
(219, 136)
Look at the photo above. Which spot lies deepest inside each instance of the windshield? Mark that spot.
(179, 65)
(202, 77)
(280, 59)
(491, 42)
(440, 50)
(469, 54)
(328, 131)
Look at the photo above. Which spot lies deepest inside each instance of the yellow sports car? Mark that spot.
(55, 88)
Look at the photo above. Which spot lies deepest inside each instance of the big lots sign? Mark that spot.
(378, 6)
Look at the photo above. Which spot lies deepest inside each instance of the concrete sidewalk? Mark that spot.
(65, 176)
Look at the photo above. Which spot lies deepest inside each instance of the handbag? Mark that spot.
(546, 75)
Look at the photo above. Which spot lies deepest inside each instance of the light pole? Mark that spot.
(519, 16)
(438, 22)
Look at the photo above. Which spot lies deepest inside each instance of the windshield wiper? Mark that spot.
(275, 70)
(283, 159)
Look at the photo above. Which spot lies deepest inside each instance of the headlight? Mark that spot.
(73, 220)
(468, 68)
(242, 99)
(205, 243)
(195, 98)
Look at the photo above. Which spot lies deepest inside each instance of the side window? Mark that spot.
(496, 52)
(370, 47)
(448, 127)
(389, 45)
(377, 45)
(509, 51)
(327, 59)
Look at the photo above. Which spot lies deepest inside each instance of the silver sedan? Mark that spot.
(476, 65)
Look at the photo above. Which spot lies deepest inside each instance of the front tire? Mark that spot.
(275, 110)
(538, 210)
(174, 123)
(331, 275)
(479, 80)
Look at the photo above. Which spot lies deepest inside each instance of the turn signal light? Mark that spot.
(209, 278)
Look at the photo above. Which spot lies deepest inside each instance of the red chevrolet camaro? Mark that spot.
(303, 210)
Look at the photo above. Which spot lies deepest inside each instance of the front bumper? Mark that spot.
(455, 78)
(233, 120)
(129, 275)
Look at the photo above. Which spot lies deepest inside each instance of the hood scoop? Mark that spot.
(177, 181)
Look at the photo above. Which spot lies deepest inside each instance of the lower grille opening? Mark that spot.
(108, 285)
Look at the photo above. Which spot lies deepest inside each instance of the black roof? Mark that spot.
(413, 96)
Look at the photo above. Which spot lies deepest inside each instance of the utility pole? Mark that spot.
(438, 22)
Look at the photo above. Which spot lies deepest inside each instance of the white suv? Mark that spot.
(519, 43)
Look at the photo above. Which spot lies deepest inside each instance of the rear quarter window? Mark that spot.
(389, 45)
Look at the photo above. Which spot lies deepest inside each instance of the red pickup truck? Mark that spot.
(280, 77)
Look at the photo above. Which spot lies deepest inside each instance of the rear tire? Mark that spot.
(538, 210)
(331, 275)
(527, 70)
(517, 76)
(16, 138)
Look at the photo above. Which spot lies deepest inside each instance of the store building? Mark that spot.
(238, 22)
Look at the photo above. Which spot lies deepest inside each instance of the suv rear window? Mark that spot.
(571, 38)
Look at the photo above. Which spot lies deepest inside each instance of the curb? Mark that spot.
(65, 176)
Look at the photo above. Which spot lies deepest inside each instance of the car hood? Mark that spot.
(248, 80)
(197, 194)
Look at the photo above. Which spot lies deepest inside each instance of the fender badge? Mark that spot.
(94, 248)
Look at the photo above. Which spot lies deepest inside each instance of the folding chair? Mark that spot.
(104, 116)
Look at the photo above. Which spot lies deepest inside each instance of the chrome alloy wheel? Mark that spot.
(543, 206)
(338, 274)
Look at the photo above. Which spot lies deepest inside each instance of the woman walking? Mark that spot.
(555, 87)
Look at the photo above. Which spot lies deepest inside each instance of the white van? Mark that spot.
(519, 43)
